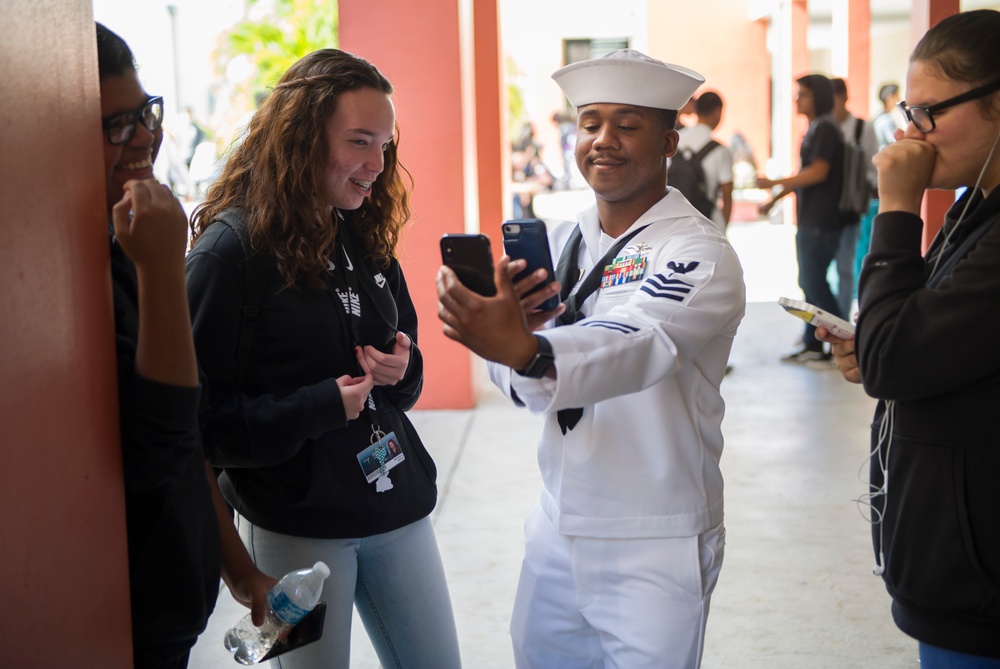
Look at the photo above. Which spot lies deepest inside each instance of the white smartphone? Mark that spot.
(813, 315)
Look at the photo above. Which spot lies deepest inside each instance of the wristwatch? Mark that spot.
(541, 362)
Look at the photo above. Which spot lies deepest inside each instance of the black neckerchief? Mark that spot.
(568, 273)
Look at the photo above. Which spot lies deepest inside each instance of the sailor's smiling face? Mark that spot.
(621, 150)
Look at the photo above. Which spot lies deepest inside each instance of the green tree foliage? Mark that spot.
(277, 33)
(517, 112)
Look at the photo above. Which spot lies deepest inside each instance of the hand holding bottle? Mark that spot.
(295, 595)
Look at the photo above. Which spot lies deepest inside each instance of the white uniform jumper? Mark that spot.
(643, 461)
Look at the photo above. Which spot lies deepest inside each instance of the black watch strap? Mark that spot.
(541, 362)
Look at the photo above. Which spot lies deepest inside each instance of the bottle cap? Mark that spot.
(321, 570)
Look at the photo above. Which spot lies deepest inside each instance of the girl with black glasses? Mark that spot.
(926, 347)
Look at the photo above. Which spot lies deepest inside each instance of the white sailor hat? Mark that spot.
(627, 76)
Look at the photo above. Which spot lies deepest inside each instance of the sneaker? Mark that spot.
(808, 355)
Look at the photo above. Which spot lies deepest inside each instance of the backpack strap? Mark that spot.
(254, 287)
(705, 150)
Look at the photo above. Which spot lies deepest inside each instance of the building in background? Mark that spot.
(749, 50)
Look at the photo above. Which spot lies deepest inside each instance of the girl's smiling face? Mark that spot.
(133, 159)
(357, 135)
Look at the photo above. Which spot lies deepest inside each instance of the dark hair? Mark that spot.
(668, 117)
(887, 91)
(822, 91)
(708, 102)
(963, 47)
(276, 174)
(114, 58)
(839, 87)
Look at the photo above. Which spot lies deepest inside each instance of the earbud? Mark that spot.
(879, 569)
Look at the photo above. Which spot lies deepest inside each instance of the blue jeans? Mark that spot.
(845, 268)
(865, 237)
(815, 250)
(935, 657)
(395, 579)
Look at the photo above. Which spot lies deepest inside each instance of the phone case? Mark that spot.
(813, 315)
(471, 258)
(527, 239)
(307, 630)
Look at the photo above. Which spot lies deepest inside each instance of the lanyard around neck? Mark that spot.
(344, 276)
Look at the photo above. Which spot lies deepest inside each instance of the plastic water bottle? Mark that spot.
(290, 600)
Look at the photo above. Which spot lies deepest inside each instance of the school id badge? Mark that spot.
(384, 453)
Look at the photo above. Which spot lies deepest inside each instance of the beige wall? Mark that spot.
(717, 39)
(63, 561)
(891, 46)
(713, 37)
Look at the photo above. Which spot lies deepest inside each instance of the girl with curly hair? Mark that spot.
(305, 328)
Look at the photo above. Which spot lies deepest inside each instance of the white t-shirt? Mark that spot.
(718, 164)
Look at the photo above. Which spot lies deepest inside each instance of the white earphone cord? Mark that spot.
(866, 501)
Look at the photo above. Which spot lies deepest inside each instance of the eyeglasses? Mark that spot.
(922, 117)
(120, 128)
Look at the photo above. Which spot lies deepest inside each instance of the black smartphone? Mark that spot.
(527, 239)
(307, 630)
(471, 259)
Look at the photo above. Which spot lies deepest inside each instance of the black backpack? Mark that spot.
(687, 175)
(855, 190)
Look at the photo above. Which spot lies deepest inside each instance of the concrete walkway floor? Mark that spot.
(796, 590)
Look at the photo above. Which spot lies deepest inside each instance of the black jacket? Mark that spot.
(290, 455)
(930, 345)
(173, 534)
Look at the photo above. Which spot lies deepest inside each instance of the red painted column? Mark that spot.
(63, 558)
(927, 13)
(491, 136)
(433, 53)
(859, 62)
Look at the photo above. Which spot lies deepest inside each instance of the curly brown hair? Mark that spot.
(275, 175)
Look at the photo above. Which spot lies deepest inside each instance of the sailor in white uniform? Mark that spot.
(623, 552)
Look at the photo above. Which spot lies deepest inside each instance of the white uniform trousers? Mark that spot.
(586, 603)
